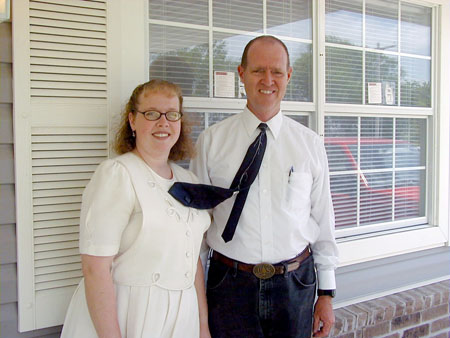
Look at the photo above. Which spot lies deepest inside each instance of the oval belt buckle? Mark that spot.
(263, 270)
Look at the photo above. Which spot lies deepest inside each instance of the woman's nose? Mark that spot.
(163, 121)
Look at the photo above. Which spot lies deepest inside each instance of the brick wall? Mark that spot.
(421, 312)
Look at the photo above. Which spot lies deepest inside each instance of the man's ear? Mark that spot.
(289, 74)
(241, 70)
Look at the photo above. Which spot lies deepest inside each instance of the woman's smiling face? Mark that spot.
(156, 137)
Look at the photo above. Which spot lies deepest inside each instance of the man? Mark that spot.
(287, 212)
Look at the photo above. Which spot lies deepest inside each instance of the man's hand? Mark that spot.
(323, 316)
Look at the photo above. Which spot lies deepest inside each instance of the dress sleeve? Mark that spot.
(107, 204)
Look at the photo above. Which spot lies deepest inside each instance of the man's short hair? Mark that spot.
(263, 37)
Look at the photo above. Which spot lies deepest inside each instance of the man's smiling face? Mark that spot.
(265, 77)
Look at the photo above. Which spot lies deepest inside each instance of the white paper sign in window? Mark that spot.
(224, 84)
(374, 92)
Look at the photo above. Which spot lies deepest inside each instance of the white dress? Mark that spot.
(156, 250)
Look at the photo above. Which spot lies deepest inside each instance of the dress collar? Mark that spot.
(251, 122)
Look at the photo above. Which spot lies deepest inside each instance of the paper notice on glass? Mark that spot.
(389, 94)
(224, 84)
(374, 92)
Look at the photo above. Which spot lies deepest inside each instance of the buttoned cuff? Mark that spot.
(327, 279)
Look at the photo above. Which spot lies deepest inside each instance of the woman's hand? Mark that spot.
(100, 295)
(201, 298)
(204, 332)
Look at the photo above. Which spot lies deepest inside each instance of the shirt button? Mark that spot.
(151, 184)
(188, 233)
(187, 274)
(188, 254)
(170, 212)
(156, 277)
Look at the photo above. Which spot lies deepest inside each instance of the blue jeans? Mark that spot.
(242, 305)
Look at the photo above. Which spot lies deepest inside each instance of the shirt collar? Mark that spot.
(251, 122)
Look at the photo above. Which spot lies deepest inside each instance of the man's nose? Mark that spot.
(267, 79)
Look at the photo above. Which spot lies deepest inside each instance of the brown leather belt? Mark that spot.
(264, 270)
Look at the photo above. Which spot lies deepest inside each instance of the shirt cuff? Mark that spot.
(327, 279)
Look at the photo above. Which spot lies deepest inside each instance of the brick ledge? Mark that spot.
(420, 312)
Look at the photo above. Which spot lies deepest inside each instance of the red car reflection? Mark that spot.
(375, 177)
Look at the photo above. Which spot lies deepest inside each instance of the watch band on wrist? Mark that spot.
(331, 293)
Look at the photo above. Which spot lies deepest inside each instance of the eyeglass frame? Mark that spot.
(160, 114)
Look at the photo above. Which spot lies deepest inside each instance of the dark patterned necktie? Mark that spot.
(202, 196)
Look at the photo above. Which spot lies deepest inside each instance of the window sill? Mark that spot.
(386, 245)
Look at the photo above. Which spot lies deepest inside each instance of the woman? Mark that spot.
(139, 246)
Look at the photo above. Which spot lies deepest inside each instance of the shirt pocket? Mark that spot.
(298, 192)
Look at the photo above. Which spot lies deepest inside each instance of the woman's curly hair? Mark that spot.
(125, 141)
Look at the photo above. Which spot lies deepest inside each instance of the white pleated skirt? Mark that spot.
(142, 312)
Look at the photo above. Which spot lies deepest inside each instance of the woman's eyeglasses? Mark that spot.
(153, 115)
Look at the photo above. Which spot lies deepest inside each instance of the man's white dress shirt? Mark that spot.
(288, 206)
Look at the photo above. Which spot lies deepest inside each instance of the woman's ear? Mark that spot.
(131, 120)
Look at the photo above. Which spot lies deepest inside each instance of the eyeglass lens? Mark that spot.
(154, 115)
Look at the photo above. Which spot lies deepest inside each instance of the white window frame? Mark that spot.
(357, 249)
(367, 247)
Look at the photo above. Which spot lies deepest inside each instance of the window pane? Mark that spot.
(376, 147)
(300, 87)
(213, 118)
(195, 12)
(244, 15)
(376, 198)
(383, 68)
(302, 119)
(340, 158)
(409, 194)
(344, 195)
(382, 24)
(410, 135)
(343, 75)
(180, 55)
(340, 142)
(410, 151)
(290, 18)
(415, 29)
(415, 88)
(227, 51)
(343, 22)
(197, 122)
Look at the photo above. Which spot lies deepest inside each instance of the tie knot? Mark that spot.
(262, 126)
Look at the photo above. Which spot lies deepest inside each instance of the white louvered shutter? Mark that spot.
(61, 135)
